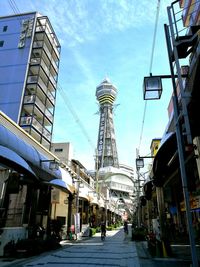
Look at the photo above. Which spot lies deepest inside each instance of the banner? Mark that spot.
(77, 223)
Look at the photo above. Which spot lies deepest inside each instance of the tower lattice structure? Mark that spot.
(106, 145)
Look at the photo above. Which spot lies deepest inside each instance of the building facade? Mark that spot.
(64, 151)
(165, 192)
(29, 62)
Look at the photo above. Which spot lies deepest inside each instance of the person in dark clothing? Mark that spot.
(126, 227)
(103, 230)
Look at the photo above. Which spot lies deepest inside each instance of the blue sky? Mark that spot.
(105, 38)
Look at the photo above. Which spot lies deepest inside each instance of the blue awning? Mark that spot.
(65, 183)
(12, 160)
(29, 154)
(59, 184)
(62, 184)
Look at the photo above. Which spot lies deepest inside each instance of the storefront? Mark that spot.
(26, 182)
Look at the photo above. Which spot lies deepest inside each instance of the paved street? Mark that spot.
(115, 251)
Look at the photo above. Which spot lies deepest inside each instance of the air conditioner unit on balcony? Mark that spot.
(29, 99)
(28, 120)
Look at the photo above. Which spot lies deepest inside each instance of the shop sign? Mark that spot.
(194, 203)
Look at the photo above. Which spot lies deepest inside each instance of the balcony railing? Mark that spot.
(29, 120)
(39, 61)
(52, 80)
(41, 44)
(26, 120)
(122, 187)
(33, 99)
(37, 125)
(36, 79)
(32, 79)
(29, 99)
(38, 44)
(48, 114)
(51, 97)
(50, 35)
(47, 134)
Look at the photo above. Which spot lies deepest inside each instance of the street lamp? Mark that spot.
(152, 87)
(139, 163)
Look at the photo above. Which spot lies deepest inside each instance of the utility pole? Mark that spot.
(77, 215)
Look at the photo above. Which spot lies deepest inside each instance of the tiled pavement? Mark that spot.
(115, 251)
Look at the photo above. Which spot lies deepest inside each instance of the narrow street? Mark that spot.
(115, 251)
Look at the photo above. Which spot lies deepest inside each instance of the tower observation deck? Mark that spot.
(106, 145)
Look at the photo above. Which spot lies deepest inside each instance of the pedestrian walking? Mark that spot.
(125, 229)
(103, 231)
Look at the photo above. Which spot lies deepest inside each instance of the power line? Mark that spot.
(150, 70)
(74, 114)
(15, 9)
(143, 119)
(14, 6)
(154, 36)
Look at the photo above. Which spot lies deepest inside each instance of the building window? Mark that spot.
(5, 28)
(1, 43)
(58, 149)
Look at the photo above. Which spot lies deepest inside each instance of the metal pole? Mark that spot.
(138, 197)
(178, 68)
(77, 226)
(138, 191)
(180, 145)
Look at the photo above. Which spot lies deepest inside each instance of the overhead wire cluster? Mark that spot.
(150, 71)
(75, 116)
(14, 6)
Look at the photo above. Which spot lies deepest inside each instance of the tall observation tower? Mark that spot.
(106, 145)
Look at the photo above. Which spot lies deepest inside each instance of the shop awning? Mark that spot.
(12, 160)
(29, 154)
(66, 180)
(164, 158)
(65, 183)
(60, 184)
